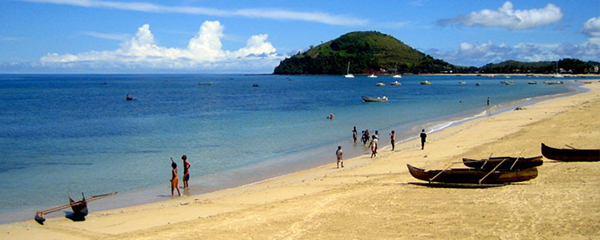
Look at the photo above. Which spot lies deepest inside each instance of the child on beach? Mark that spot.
(339, 154)
(174, 178)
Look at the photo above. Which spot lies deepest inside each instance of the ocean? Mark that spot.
(73, 134)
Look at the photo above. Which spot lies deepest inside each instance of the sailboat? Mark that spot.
(557, 75)
(396, 75)
(348, 74)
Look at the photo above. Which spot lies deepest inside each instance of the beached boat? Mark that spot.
(79, 208)
(510, 163)
(425, 82)
(374, 99)
(395, 83)
(570, 154)
(471, 175)
(348, 74)
(380, 84)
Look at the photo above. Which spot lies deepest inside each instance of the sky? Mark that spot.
(240, 36)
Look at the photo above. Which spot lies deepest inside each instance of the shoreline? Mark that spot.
(310, 186)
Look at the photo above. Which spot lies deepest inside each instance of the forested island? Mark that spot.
(369, 52)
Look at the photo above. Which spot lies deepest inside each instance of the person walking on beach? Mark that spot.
(373, 146)
(339, 154)
(393, 140)
(174, 178)
(423, 137)
(186, 171)
(354, 134)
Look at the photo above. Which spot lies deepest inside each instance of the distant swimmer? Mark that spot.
(330, 116)
(129, 98)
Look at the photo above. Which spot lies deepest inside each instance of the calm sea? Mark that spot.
(68, 134)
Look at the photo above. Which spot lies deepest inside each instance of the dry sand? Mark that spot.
(369, 199)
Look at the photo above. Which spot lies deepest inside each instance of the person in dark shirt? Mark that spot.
(423, 137)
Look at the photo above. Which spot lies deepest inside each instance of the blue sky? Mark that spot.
(199, 36)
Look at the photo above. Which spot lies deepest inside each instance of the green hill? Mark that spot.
(367, 52)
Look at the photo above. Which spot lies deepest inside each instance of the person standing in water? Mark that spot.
(423, 139)
(393, 140)
(174, 178)
(186, 171)
(373, 146)
(354, 134)
(339, 154)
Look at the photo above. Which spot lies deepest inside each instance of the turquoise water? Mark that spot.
(77, 133)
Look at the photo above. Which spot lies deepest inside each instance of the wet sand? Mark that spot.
(370, 197)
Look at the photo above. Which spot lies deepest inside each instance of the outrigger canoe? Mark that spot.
(510, 163)
(472, 175)
(79, 208)
(570, 154)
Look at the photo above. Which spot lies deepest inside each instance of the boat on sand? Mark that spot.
(509, 163)
(573, 154)
(472, 175)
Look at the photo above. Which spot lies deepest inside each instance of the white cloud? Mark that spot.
(479, 54)
(507, 17)
(592, 27)
(203, 53)
(108, 36)
(276, 14)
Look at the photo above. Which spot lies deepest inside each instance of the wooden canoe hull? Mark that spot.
(570, 154)
(522, 163)
(471, 175)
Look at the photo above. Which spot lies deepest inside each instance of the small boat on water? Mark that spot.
(372, 75)
(462, 82)
(425, 82)
(478, 84)
(587, 155)
(508, 82)
(395, 83)
(380, 84)
(553, 82)
(532, 82)
(509, 163)
(374, 99)
(397, 76)
(471, 175)
(205, 83)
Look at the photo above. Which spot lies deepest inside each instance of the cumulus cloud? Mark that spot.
(270, 13)
(479, 54)
(592, 27)
(507, 17)
(204, 52)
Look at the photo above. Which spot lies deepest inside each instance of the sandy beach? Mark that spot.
(370, 197)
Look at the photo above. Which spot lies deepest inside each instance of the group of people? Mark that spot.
(374, 141)
(175, 176)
